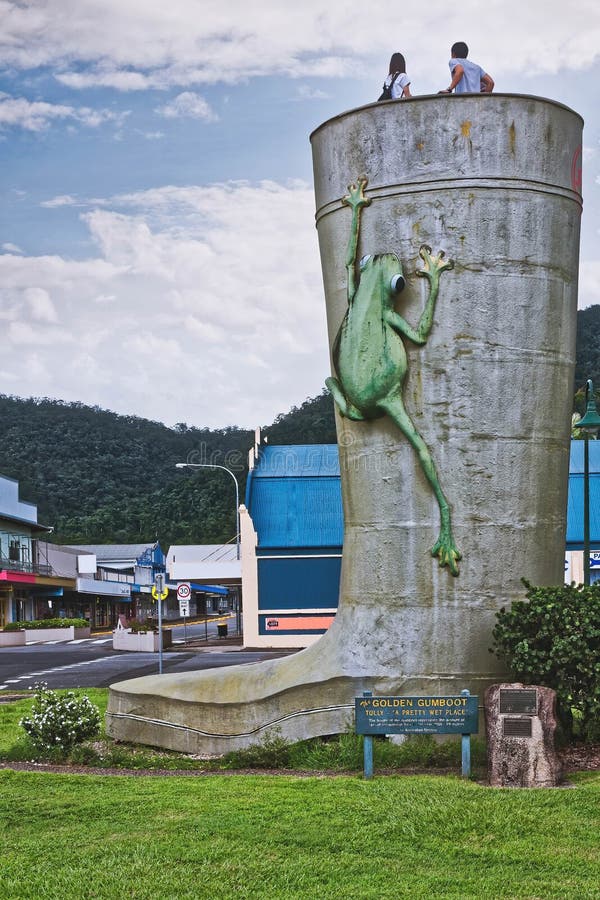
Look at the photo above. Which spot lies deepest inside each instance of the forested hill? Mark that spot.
(98, 477)
(587, 363)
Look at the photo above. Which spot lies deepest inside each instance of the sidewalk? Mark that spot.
(231, 642)
(171, 623)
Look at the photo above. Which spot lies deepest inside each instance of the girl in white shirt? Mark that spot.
(398, 78)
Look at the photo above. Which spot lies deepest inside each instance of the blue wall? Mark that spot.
(305, 583)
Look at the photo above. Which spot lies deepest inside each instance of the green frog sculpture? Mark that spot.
(369, 355)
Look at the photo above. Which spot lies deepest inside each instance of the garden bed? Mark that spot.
(140, 641)
(12, 638)
(70, 633)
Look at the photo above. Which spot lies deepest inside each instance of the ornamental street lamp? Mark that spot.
(589, 425)
(237, 495)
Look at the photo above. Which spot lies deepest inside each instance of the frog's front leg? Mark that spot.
(356, 193)
(356, 200)
(434, 266)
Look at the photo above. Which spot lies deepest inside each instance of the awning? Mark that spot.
(209, 588)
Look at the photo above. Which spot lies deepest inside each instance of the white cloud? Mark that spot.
(152, 135)
(38, 115)
(25, 335)
(307, 93)
(40, 304)
(102, 77)
(187, 105)
(11, 248)
(188, 312)
(589, 283)
(127, 45)
(61, 200)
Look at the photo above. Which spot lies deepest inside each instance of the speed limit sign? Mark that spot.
(184, 590)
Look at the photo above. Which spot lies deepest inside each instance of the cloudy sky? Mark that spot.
(158, 255)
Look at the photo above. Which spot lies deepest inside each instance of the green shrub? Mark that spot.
(56, 723)
(553, 639)
(47, 623)
(272, 753)
(140, 626)
(344, 753)
(341, 752)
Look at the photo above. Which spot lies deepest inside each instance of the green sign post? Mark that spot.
(457, 714)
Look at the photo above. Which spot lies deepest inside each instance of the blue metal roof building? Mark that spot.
(293, 497)
(576, 489)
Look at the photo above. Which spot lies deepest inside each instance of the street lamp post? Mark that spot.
(589, 425)
(237, 494)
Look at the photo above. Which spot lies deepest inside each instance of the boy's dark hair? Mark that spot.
(459, 50)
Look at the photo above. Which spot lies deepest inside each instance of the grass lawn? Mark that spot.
(281, 836)
(253, 836)
(343, 755)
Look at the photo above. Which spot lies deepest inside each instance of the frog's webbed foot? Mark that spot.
(434, 264)
(345, 407)
(356, 197)
(447, 551)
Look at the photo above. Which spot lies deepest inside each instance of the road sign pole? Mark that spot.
(184, 592)
(160, 637)
(159, 585)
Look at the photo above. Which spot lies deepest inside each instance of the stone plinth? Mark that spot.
(520, 744)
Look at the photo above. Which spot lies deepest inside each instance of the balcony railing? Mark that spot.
(15, 565)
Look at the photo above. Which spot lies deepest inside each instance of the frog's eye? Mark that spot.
(364, 261)
(397, 283)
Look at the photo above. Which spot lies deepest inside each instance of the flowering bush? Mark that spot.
(141, 626)
(58, 723)
(46, 623)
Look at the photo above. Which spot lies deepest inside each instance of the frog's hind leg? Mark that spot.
(345, 407)
(444, 548)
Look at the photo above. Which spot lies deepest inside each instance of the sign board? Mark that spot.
(86, 564)
(517, 727)
(416, 715)
(518, 700)
(159, 589)
(184, 607)
(184, 591)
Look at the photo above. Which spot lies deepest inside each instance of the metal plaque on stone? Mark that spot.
(516, 727)
(523, 702)
(520, 723)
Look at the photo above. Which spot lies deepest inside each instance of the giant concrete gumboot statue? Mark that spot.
(453, 432)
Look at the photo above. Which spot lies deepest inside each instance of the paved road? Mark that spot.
(92, 662)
